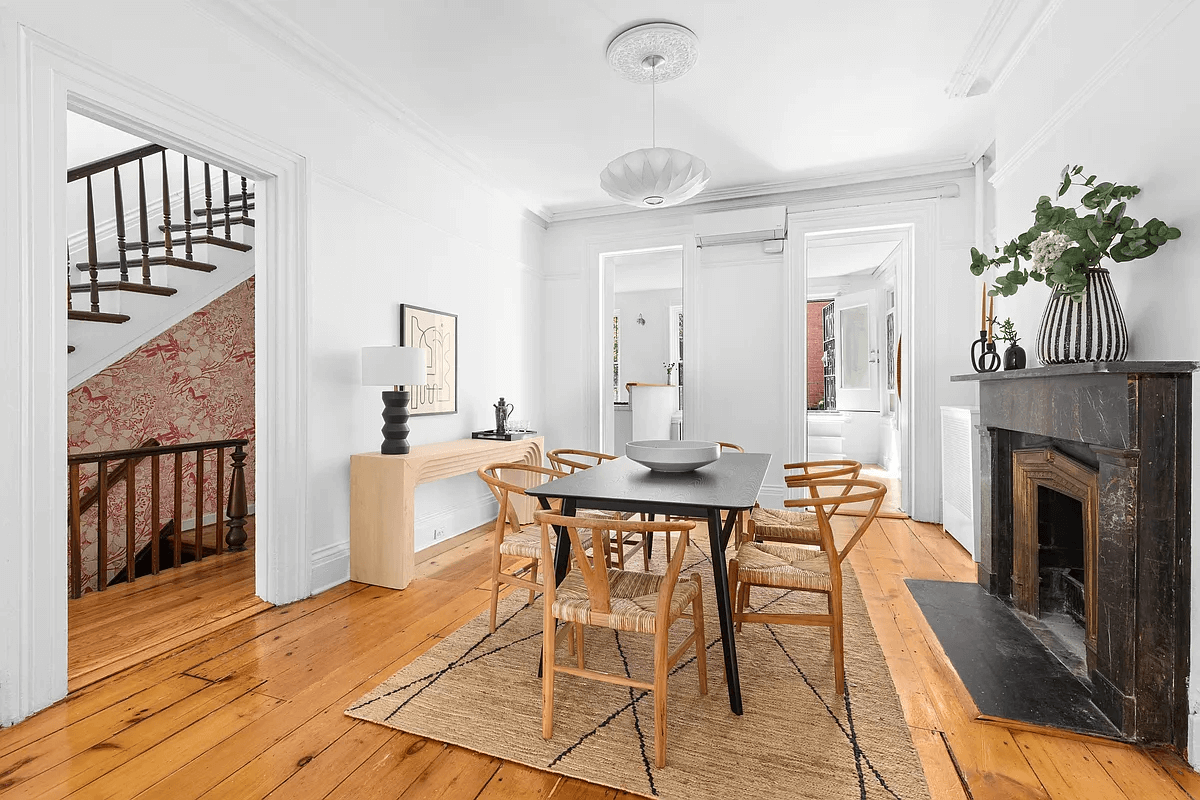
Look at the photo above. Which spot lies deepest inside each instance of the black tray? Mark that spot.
(510, 436)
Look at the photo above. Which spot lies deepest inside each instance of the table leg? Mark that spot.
(562, 550)
(724, 609)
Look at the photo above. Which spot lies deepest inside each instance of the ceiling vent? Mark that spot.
(741, 226)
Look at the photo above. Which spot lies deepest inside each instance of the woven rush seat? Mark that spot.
(527, 542)
(784, 566)
(786, 524)
(633, 597)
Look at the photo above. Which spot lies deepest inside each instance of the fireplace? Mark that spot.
(1086, 497)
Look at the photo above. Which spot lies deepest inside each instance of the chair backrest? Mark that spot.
(652, 408)
(730, 448)
(821, 470)
(593, 568)
(824, 503)
(569, 461)
(500, 478)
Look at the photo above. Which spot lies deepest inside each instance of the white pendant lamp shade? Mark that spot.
(393, 366)
(654, 177)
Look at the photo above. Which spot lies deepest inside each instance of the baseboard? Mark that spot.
(442, 545)
(459, 518)
(772, 496)
(329, 566)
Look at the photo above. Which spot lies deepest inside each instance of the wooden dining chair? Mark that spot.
(739, 527)
(801, 568)
(636, 602)
(570, 461)
(787, 525)
(510, 537)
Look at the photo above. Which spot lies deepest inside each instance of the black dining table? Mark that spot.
(730, 484)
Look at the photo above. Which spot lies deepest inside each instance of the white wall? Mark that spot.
(736, 303)
(644, 348)
(1114, 88)
(393, 220)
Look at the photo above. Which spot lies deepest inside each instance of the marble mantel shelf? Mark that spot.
(1088, 368)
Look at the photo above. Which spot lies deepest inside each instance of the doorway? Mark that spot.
(851, 351)
(645, 290)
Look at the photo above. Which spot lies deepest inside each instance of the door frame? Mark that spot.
(49, 79)
(874, 375)
(916, 221)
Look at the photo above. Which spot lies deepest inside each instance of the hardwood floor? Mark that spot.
(255, 709)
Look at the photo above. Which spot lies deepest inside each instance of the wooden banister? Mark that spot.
(234, 511)
(108, 162)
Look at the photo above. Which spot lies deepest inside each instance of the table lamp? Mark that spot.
(397, 367)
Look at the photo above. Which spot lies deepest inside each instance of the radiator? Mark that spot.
(960, 476)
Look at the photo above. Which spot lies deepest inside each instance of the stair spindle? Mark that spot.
(130, 520)
(225, 180)
(208, 228)
(236, 538)
(245, 202)
(102, 526)
(119, 206)
(155, 520)
(177, 523)
(76, 538)
(220, 537)
(166, 189)
(93, 274)
(187, 212)
(145, 223)
(198, 537)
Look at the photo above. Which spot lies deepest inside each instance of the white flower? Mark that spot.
(1047, 249)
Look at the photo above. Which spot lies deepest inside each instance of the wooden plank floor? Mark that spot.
(255, 708)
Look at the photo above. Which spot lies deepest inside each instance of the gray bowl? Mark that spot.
(663, 455)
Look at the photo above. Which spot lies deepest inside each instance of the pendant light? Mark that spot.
(653, 177)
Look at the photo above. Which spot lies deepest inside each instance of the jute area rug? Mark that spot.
(797, 738)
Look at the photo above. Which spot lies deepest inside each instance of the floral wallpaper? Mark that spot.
(192, 383)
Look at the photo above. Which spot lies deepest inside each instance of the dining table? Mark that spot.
(726, 486)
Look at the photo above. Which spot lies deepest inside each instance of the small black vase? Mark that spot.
(1014, 357)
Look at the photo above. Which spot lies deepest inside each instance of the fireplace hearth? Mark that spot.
(1086, 479)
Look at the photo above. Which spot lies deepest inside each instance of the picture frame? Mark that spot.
(436, 332)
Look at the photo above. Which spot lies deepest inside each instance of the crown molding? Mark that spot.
(1027, 40)
(261, 23)
(832, 187)
(980, 49)
(1112, 67)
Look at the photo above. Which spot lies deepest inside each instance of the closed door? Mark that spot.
(857, 352)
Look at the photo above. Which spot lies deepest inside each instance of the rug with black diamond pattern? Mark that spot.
(797, 738)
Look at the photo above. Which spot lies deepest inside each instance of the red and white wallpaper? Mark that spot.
(192, 383)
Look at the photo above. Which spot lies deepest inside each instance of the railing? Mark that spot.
(235, 509)
(142, 246)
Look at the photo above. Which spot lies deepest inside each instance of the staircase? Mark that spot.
(826, 439)
(124, 289)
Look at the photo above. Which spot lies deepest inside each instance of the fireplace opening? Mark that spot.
(1061, 557)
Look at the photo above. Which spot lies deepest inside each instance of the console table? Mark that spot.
(381, 499)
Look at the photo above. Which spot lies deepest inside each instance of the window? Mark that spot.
(616, 337)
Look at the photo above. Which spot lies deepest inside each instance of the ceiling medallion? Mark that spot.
(654, 177)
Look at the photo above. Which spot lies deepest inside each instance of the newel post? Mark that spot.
(236, 510)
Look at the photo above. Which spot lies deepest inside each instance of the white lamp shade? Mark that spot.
(655, 177)
(393, 366)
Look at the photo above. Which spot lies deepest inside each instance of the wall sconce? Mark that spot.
(641, 320)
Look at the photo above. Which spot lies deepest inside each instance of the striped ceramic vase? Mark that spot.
(1093, 330)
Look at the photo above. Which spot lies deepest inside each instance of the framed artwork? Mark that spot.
(437, 333)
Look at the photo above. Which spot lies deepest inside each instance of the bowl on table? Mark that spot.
(669, 455)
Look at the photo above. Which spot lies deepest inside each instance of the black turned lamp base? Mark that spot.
(395, 424)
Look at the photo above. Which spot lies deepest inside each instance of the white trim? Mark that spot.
(271, 30)
(772, 496)
(33, 579)
(1120, 59)
(980, 49)
(835, 189)
(915, 290)
(330, 566)
(1031, 35)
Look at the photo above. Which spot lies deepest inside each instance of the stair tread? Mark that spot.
(179, 227)
(234, 209)
(125, 286)
(155, 261)
(178, 243)
(96, 316)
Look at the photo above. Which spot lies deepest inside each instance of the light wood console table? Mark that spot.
(381, 499)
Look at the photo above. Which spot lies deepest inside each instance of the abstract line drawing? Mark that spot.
(437, 333)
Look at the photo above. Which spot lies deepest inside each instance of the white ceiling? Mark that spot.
(847, 259)
(783, 90)
(647, 272)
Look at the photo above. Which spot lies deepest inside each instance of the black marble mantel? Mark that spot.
(1132, 422)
